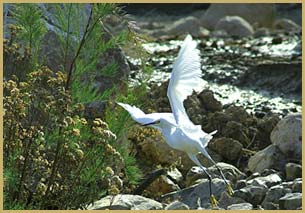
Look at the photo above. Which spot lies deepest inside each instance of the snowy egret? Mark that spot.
(178, 130)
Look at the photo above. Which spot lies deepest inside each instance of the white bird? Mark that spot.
(178, 130)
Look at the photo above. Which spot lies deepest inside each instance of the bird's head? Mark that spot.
(159, 124)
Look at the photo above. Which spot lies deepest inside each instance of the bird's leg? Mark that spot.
(228, 185)
(196, 161)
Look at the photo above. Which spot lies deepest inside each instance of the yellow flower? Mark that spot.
(109, 171)
(76, 132)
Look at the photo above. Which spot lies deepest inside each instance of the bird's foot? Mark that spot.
(213, 200)
(229, 189)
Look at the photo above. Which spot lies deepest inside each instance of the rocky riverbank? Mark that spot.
(252, 65)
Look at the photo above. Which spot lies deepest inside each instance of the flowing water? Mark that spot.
(229, 70)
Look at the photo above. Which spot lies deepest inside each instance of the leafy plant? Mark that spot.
(28, 18)
(50, 150)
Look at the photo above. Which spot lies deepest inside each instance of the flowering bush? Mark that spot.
(51, 152)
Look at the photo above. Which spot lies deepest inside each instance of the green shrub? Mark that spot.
(51, 153)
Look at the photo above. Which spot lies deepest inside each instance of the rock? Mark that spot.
(125, 202)
(291, 201)
(177, 205)
(269, 180)
(287, 135)
(270, 206)
(166, 183)
(297, 185)
(293, 171)
(235, 26)
(286, 25)
(240, 184)
(288, 184)
(50, 51)
(160, 186)
(237, 131)
(227, 200)
(240, 206)
(190, 195)
(263, 14)
(175, 175)
(227, 147)
(95, 109)
(208, 101)
(274, 194)
(188, 25)
(270, 157)
(252, 194)
(265, 127)
(261, 32)
(230, 172)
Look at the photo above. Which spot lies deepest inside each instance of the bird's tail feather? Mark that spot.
(207, 138)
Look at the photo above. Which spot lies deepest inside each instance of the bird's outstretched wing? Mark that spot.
(185, 77)
(142, 118)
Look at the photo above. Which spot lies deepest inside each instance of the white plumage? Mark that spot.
(178, 130)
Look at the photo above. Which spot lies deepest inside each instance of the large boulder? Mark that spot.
(230, 172)
(291, 201)
(269, 180)
(234, 26)
(260, 14)
(269, 158)
(286, 25)
(252, 194)
(293, 171)
(125, 202)
(274, 194)
(198, 195)
(287, 135)
(183, 26)
(227, 147)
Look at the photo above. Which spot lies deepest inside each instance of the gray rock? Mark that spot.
(252, 194)
(274, 194)
(270, 206)
(183, 26)
(288, 184)
(240, 184)
(297, 185)
(261, 32)
(286, 24)
(230, 172)
(200, 191)
(240, 206)
(177, 205)
(235, 26)
(270, 157)
(125, 202)
(227, 200)
(287, 135)
(262, 14)
(50, 50)
(227, 147)
(291, 201)
(293, 171)
(269, 180)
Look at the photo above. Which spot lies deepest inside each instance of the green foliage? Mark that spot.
(32, 27)
(50, 150)
(52, 153)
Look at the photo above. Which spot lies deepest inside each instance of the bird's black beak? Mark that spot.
(155, 122)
